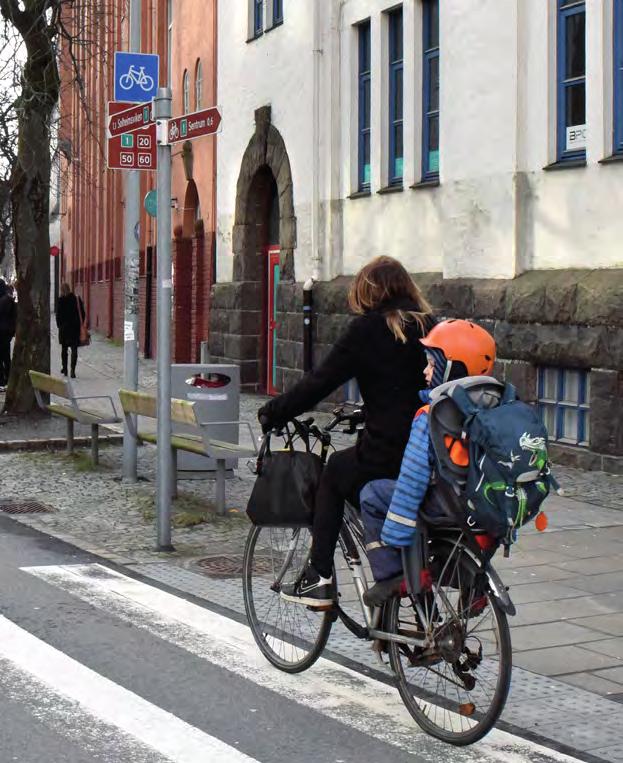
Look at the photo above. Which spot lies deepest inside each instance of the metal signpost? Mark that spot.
(136, 81)
(132, 139)
(165, 477)
(169, 131)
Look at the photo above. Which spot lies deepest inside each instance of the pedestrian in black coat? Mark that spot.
(8, 318)
(70, 315)
(381, 350)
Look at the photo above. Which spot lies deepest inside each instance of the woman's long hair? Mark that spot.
(385, 280)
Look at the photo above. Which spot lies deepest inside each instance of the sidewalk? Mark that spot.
(567, 583)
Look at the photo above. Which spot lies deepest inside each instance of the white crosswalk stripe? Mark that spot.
(345, 695)
(110, 703)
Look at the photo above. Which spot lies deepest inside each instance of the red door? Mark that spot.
(272, 259)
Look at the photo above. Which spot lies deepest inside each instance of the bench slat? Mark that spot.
(50, 384)
(86, 417)
(189, 443)
(144, 404)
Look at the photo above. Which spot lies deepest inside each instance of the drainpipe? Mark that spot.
(308, 315)
(315, 206)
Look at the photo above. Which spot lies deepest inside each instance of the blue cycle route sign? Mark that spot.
(136, 76)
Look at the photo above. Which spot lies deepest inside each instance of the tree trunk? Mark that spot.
(30, 199)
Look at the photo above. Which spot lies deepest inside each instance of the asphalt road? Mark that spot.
(99, 666)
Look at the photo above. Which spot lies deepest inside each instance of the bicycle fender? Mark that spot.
(499, 591)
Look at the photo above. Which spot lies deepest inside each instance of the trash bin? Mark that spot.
(215, 390)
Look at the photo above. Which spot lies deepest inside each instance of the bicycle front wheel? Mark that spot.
(456, 689)
(291, 636)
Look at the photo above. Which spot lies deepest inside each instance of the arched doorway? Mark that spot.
(245, 316)
(191, 211)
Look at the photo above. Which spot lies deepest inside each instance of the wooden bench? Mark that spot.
(198, 441)
(72, 410)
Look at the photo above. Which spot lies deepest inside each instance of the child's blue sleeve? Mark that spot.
(399, 528)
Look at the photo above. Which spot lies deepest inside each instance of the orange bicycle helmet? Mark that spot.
(465, 342)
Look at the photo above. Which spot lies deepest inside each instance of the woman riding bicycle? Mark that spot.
(381, 350)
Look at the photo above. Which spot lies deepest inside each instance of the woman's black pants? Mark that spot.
(74, 357)
(342, 479)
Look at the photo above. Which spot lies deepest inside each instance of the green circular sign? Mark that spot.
(151, 203)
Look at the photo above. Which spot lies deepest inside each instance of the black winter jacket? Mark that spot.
(389, 374)
(69, 315)
(8, 315)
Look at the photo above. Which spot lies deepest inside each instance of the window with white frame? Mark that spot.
(571, 76)
(186, 92)
(363, 147)
(395, 59)
(198, 85)
(564, 404)
(618, 76)
(430, 89)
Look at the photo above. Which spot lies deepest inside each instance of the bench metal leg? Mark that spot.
(95, 445)
(174, 485)
(220, 487)
(70, 436)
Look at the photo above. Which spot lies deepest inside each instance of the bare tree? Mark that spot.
(37, 23)
(34, 31)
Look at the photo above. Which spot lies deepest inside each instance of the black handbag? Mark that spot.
(285, 488)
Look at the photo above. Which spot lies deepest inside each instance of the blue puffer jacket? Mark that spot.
(399, 528)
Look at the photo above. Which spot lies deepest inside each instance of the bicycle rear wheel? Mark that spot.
(456, 689)
(291, 636)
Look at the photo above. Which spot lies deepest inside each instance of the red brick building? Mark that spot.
(183, 33)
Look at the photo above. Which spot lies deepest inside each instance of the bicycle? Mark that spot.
(138, 77)
(446, 634)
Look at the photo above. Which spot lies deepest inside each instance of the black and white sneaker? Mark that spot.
(311, 589)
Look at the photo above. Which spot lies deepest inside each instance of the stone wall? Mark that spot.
(570, 319)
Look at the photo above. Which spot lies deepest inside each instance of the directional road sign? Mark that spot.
(129, 120)
(131, 151)
(193, 125)
(136, 76)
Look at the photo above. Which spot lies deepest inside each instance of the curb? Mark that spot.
(55, 443)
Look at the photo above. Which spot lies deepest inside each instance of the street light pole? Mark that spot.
(165, 476)
(131, 260)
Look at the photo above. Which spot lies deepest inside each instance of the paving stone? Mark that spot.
(612, 674)
(612, 624)
(593, 565)
(538, 592)
(613, 754)
(592, 682)
(612, 647)
(536, 574)
(551, 634)
(609, 582)
(574, 610)
(563, 659)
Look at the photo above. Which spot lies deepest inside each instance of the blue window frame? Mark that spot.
(618, 76)
(363, 151)
(571, 75)
(564, 404)
(277, 12)
(258, 17)
(430, 83)
(396, 151)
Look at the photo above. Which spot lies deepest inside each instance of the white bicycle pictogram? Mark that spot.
(174, 131)
(138, 77)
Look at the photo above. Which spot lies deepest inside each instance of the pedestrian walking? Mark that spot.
(8, 318)
(70, 319)
(381, 349)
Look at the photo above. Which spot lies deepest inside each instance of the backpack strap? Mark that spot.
(462, 400)
(509, 395)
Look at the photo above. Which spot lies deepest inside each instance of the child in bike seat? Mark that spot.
(389, 508)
